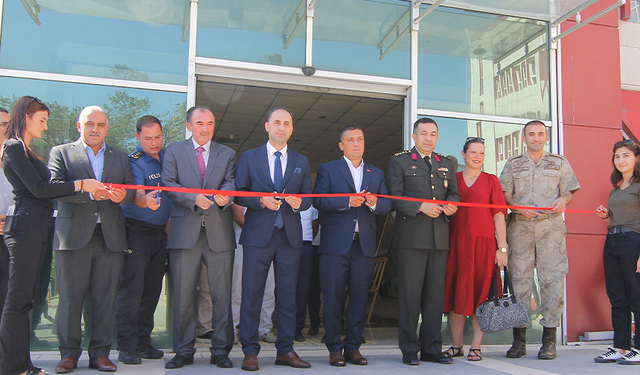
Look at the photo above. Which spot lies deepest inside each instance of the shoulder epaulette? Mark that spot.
(135, 155)
(557, 156)
(442, 156)
(515, 157)
(402, 152)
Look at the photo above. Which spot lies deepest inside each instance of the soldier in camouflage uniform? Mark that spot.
(537, 238)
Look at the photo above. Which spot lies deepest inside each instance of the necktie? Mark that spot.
(277, 181)
(428, 161)
(203, 168)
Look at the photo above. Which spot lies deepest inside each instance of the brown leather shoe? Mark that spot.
(337, 359)
(250, 362)
(355, 357)
(292, 359)
(66, 365)
(102, 364)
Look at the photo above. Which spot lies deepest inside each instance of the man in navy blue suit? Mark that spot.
(348, 242)
(272, 232)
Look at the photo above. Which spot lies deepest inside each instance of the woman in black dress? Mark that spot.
(25, 231)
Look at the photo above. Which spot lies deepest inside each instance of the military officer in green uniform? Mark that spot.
(421, 241)
(537, 239)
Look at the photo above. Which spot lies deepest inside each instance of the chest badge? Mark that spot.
(446, 184)
(414, 167)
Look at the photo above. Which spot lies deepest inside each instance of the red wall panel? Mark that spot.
(591, 93)
(592, 117)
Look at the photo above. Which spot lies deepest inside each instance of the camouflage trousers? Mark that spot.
(539, 244)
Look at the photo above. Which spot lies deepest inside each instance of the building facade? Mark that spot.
(478, 69)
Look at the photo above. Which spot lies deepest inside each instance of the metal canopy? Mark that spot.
(545, 10)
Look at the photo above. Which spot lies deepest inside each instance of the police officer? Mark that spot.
(421, 241)
(537, 238)
(144, 263)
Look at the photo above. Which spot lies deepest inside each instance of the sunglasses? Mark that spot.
(35, 99)
(474, 139)
(625, 142)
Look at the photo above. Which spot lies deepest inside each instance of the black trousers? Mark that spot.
(420, 292)
(26, 239)
(304, 278)
(4, 273)
(140, 284)
(620, 259)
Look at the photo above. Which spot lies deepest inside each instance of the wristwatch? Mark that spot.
(503, 250)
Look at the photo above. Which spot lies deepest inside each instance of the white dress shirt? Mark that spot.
(272, 159)
(205, 153)
(357, 174)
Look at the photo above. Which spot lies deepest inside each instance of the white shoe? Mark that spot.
(269, 337)
(631, 358)
(609, 357)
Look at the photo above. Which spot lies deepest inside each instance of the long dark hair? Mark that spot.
(25, 106)
(616, 175)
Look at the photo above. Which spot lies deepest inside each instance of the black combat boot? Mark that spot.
(548, 349)
(519, 346)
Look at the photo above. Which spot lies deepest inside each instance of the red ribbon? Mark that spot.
(235, 193)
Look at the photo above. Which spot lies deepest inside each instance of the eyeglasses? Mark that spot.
(35, 99)
(474, 139)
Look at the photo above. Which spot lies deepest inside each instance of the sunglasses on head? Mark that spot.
(35, 99)
(474, 139)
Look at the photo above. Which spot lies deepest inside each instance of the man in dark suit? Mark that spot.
(272, 232)
(421, 241)
(201, 230)
(348, 245)
(90, 240)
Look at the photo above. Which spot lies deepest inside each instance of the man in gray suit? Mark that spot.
(89, 240)
(201, 230)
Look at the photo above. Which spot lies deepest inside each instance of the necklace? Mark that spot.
(467, 176)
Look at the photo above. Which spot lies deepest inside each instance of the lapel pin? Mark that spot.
(414, 167)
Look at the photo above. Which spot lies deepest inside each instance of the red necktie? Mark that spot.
(203, 167)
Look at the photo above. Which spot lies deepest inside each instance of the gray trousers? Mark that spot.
(94, 270)
(185, 265)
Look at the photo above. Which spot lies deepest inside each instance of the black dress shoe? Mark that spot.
(410, 358)
(437, 358)
(129, 357)
(221, 361)
(324, 338)
(299, 337)
(313, 331)
(179, 361)
(149, 352)
(206, 336)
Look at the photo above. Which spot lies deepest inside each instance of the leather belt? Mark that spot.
(616, 230)
(306, 243)
(540, 217)
(356, 236)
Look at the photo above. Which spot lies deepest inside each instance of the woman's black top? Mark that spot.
(29, 176)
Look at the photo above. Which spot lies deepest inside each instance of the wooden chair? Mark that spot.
(378, 273)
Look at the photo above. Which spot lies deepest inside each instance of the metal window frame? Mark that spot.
(99, 81)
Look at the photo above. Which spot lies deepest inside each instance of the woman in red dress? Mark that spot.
(473, 249)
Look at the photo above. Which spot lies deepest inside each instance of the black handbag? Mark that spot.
(498, 314)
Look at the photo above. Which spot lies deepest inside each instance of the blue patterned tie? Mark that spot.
(277, 181)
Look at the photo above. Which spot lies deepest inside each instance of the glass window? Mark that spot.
(482, 63)
(502, 140)
(362, 37)
(260, 31)
(123, 107)
(635, 11)
(120, 39)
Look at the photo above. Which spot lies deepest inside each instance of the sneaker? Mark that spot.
(631, 358)
(269, 337)
(609, 357)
